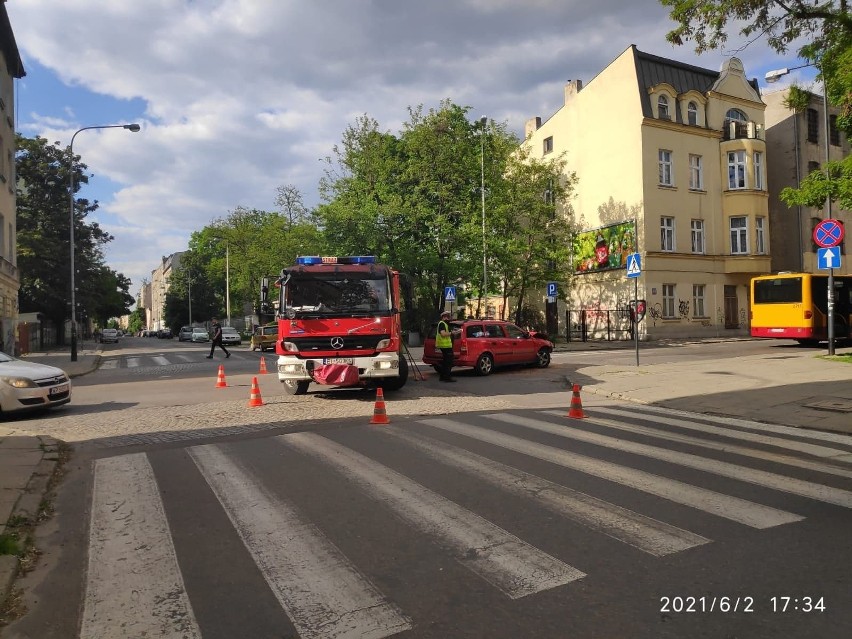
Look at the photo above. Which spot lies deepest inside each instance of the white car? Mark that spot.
(109, 335)
(231, 336)
(30, 386)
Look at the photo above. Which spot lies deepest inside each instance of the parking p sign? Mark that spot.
(551, 289)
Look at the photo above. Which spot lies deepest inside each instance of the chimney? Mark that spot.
(572, 88)
(532, 126)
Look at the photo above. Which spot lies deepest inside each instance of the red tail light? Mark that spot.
(809, 315)
(463, 346)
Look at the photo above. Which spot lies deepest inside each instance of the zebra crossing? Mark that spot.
(421, 474)
(170, 359)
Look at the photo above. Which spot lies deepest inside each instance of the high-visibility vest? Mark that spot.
(440, 340)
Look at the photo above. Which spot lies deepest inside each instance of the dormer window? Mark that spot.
(692, 114)
(663, 108)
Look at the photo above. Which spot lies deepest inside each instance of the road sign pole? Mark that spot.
(636, 316)
(831, 311)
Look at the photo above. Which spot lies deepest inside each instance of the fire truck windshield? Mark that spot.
(335, 294)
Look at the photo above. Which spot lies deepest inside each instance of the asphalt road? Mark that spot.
(462, 518)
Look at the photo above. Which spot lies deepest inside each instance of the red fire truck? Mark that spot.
(339, 324)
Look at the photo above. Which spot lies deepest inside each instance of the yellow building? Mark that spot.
(11, 67)
(680, 150)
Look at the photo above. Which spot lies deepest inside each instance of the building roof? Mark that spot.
(652, 70)
(14, 64)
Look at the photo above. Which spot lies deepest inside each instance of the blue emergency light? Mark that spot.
(351, 259)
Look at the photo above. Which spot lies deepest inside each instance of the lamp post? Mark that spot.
(130, 127)
(774, 76)
(482, 122)
(228, 283)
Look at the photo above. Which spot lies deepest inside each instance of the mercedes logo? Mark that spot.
(337, 343)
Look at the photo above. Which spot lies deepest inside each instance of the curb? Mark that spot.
(28, 507)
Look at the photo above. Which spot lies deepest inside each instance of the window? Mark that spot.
(736, 170)
(739, 236)
(665, 160)
(813, 125)
(833, 133)
(736, 115)
(813, 167)
(758, 171)
(548, 145)
(760, 235)
(668, 301)
(692, 113)
(696, 177)
(494, 330)
(667, 234)
(698, 236)
(663, 108)
(698, 300)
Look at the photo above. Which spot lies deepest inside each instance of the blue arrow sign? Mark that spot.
(450, 293)
(634, 265)
(828, 258)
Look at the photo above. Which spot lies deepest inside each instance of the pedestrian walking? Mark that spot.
(216, 329)
(444, 343)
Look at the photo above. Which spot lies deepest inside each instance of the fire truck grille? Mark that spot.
(366, 343)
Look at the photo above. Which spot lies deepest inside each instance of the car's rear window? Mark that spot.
(270, 330)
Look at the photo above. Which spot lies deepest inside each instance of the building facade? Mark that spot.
(11, 67)
(673, 157)
(154, 294)
(796, 144)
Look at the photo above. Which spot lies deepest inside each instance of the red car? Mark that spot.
(485, 344)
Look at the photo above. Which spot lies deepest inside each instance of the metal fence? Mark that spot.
(599, 324)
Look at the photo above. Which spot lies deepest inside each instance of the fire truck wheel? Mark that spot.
(295, 387)
(398, 382)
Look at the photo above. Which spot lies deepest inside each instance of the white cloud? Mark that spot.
(238, 97)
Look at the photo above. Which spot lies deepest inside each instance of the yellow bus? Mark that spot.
(795, 306)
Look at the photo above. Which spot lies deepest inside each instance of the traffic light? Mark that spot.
(264, 290)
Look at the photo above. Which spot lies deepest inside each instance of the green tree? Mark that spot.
(43, 229)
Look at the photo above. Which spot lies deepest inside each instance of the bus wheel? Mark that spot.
(295, 387)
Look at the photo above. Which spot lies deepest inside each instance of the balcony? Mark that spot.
(736, 130)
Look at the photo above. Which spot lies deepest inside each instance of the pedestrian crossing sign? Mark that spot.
(634, 265)
(449, 293)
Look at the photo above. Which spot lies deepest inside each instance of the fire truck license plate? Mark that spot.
(337, 360)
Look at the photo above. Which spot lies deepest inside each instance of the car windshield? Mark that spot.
(199, 330)
(6, 358)
(337, 294)
(229, 329)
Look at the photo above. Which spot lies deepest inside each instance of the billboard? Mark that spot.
(604, 249)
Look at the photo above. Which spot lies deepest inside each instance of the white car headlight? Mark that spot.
(19, 382)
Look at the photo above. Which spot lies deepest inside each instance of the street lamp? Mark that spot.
(228, 283)
(774, 76)
(482, 122)
(130, 127)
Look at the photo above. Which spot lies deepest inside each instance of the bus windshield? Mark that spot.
(336, 294)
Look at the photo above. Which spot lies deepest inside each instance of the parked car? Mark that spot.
(185, 334)
(231, 336)
(30, 386)
(109, 335)
(165, 333)
(486, 344)
(264, 337)
(199, 335)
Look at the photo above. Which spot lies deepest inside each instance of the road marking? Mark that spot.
(186, 358)
(134, 587)
(733, 508)
(323, 594)
(132, 362)
(820, 492)
(799, 446)
(107, 364)
(712, 445)
(502, 559)
(641, 532)
(837, 438)
(162, 361)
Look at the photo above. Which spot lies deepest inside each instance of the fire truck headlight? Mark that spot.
(290, 347)
(384, 365)
(291, 368)
(383, 344)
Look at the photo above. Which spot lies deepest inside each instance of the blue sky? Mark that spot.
(239, 97)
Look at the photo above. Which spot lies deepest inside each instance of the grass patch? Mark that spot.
(9, 544)
(846, 358)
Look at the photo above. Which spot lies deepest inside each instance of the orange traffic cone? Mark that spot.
(380, 416)
(262, 370)
(255, 399)
(220, 382)
(576, 409)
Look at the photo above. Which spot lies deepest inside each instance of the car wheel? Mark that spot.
(543, 358)
(295, 387)
(484, 365)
